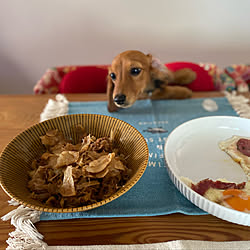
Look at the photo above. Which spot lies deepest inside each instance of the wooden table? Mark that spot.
(18, 112)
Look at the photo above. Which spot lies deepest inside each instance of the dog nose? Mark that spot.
(120, 99)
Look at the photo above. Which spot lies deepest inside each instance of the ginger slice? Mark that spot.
(68, 187)
(67, 158)
(100, 164)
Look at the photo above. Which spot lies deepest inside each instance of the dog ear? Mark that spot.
(149, 56)
(160, 74)
(110, 88)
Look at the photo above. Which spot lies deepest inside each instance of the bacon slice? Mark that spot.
(243, 145)
(202, 186)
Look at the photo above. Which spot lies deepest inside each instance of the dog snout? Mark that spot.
(120, 99)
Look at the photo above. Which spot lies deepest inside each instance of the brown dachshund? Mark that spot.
(134, 75)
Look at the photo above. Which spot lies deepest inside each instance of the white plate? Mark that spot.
(192, 151)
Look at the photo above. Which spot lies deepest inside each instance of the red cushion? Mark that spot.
(85, 79)
(203, 81)
(93, 79)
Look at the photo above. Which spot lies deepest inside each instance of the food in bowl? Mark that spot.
(73, 175)
(17, 157)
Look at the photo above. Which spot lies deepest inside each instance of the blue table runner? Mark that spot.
(154, 194)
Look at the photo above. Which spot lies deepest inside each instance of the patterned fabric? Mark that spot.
(234, 77)
(241, 76)
(50, 81)
(69, 79)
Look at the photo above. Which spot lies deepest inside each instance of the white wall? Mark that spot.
(36, 35)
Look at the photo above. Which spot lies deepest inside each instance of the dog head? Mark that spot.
(131, 74)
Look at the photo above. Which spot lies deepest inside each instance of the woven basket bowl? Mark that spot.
(15, 160)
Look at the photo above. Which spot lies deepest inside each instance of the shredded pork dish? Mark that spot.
(73, 175)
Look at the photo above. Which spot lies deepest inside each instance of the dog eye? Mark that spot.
(135, 71)
(113, 76)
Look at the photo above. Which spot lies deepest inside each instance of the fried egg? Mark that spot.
(231, 148)
(237, 199)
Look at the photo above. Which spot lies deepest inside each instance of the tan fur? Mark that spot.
(152, 72)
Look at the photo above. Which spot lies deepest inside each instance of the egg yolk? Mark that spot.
(237, 199)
